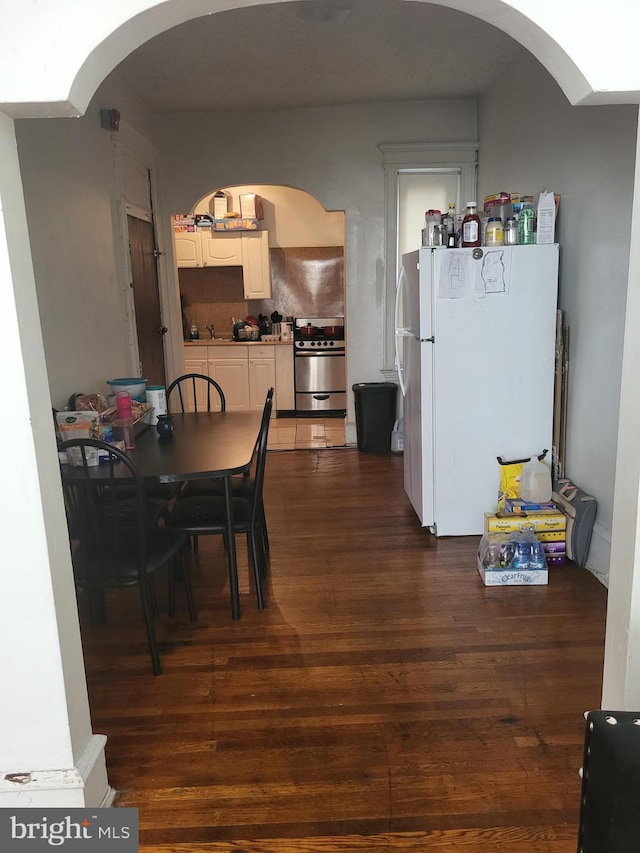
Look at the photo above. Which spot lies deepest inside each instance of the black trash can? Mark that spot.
(375, 414)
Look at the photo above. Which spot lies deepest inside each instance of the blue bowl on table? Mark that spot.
(134, 385)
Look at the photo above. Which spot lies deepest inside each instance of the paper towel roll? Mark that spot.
(157, 397)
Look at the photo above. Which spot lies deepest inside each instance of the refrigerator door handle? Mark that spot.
(399, 332)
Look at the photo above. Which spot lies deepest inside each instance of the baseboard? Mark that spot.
(85, 784)
(599, 557)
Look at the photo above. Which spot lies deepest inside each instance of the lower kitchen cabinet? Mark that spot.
(229, 369)
(232, 376)
(262, 376)
(245, 374)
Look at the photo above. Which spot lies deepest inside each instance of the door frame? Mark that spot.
(133, 151)
(420, 156)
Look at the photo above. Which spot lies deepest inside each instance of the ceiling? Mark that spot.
(318, 52)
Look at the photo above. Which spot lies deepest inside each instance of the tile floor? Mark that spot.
(304, 433)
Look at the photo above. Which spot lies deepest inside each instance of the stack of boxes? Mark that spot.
(545, 521)
(520, 543)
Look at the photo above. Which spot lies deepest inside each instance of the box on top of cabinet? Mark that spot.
(251, 206)
(219, 204)
(183, 222)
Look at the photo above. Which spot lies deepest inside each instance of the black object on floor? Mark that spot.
(609, 813)
(375, 404)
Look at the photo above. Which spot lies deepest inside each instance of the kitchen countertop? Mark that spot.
(218, 342)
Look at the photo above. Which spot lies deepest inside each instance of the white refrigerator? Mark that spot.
(475, 351)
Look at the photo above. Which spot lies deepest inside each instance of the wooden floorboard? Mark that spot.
(385, 700)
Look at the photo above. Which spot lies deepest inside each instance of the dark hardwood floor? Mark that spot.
(384, 699)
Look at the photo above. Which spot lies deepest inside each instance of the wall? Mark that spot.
(531, 138)
(70, 194)
(331, 153)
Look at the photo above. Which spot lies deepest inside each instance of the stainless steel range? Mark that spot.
(319, 365)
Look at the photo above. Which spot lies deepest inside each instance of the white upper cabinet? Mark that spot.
(256, 270)
(246, 249)
(221, 250)
(188, 249)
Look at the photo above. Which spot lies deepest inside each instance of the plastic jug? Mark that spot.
(535, 481)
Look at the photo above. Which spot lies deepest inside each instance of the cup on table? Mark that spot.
(164, 426)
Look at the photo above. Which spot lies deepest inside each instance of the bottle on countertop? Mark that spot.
(471, 233)
(194, 334)
(124, 421)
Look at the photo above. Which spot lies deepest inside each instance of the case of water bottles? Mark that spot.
(515, 559)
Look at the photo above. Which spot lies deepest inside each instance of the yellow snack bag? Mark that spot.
(510, 473)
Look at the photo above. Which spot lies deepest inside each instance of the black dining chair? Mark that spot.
(243, 485)
(114, 547)
(205, 515)
(201, 392)
(189, 390)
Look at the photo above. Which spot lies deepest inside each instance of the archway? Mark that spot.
(40, 93)
(87, 52)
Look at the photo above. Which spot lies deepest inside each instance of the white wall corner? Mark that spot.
(85, 784)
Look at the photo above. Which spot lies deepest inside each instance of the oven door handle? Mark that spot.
(316, 352)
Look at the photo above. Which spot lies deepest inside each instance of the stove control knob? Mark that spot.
(301, 343)
(330, 343)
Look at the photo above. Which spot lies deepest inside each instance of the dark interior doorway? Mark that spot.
(146, 296)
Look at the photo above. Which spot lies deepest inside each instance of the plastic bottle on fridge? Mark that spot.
(495, 232)
(450, 225)
(511, 231)
(526, 225)
(471, 233)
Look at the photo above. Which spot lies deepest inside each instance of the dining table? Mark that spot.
(202, 445)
